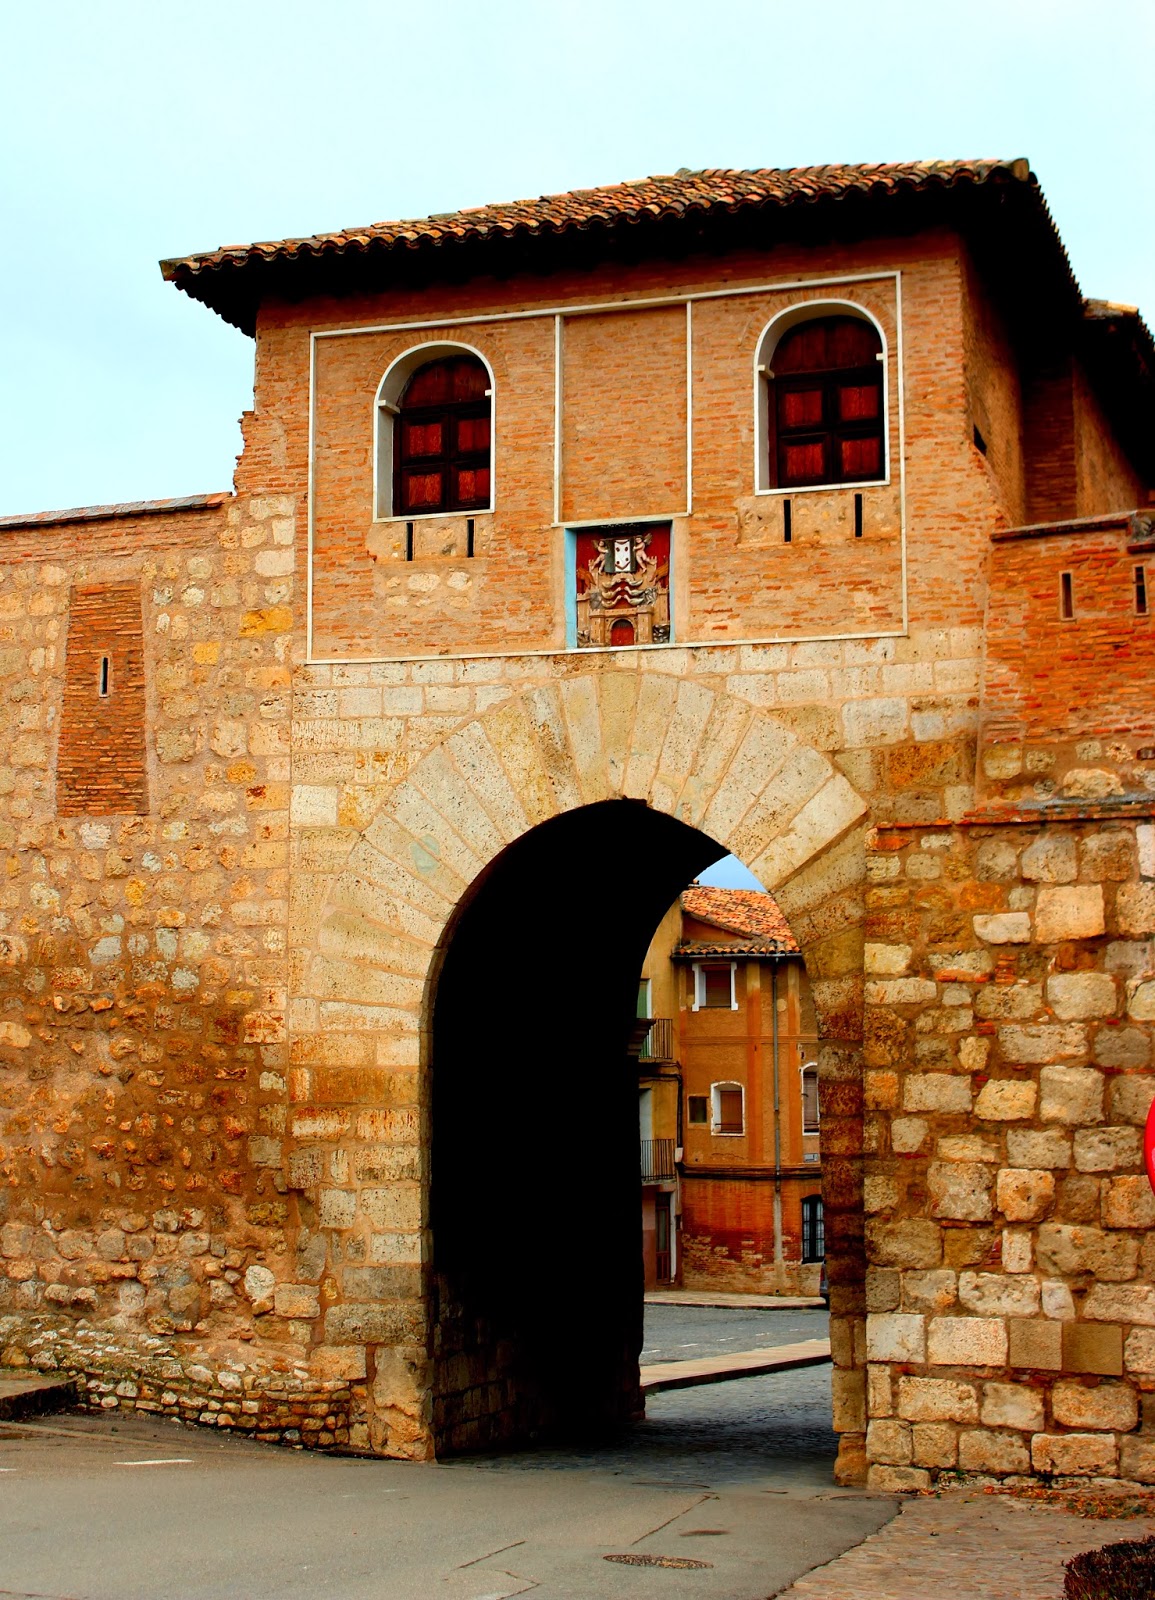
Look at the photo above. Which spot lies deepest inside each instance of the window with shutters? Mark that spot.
(714, 987)
(810, 1097)
(435, 434)
(728, 1109)
(823, 403)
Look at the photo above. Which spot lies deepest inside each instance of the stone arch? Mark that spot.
(366, 965)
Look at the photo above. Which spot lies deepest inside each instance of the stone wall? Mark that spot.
(1010, 1003)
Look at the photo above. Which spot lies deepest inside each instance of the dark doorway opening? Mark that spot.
(535, 1180)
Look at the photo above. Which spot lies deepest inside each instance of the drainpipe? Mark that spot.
(777, 1124)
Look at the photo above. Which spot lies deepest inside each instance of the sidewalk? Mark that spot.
(734, 1302)
(979, 1546)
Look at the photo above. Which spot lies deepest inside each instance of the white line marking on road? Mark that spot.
(166, 1461)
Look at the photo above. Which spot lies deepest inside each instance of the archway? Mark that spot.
(534, 1182)
(375, 936)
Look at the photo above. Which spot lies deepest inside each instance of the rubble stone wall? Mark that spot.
(1009, 1011)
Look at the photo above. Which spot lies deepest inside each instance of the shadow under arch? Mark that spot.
(534, 1199)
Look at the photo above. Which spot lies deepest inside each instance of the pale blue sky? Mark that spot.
(134, 131)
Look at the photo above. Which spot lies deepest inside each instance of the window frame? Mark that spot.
(782, 323)
(698, 1122)
(807, 1070)
(813, 1240)
(717, 1131)
(386, 408)
(699, 970)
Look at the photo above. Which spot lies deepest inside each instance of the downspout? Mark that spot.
(778, 1255)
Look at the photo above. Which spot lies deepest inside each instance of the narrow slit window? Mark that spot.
(858, 516)
(409, 541)
(105, 676)
(469, 536)
(1066, 597)
(1141, 591)
(787, 523)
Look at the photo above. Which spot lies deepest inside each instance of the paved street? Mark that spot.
(730, 1483)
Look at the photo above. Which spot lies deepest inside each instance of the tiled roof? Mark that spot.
(677, 194)
(129, 508)
(750, 913)
(231, 278)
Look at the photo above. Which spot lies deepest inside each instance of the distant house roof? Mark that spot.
(751, 914)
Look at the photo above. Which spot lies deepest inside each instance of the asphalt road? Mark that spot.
(733, 1479)
(680, 1333)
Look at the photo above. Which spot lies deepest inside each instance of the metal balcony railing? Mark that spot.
(657, 1160)
(659, 1042)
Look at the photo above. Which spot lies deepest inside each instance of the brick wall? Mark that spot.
(100, 760)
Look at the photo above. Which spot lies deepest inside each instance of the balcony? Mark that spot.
(658, 1160)
(658, 1045)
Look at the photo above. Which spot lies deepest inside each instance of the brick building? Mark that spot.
(803, 515)
(729, 1076)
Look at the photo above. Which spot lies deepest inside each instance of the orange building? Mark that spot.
(728, 1100)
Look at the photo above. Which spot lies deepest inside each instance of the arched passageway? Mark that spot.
(535, 1184)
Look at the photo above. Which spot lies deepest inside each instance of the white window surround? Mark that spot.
(716, 1111)
(810, 1068)
(700, 985)
(780, 324)
(385, 406)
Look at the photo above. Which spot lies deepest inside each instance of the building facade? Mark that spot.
(732, 1181)
(804, 515)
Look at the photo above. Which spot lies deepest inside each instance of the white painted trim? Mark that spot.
(411, 358)
(808, 1066)
(899, 348)
(622, 522)
(716, 1108)
(700, 986)
(689, 408)
(599, 308)
(790, 317)
(595, 308)
(557, 383)
(310, 498)
(603, 650)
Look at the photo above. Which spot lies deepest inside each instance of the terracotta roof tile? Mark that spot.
(750, 913)
(672, 195)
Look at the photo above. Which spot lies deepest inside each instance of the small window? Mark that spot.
(104, 677)
(810, 1097)
(441, 439)
(714, 986)
(728, 1108)
(813, 1229)
(825, 410)
(698, 1109)
(1066, 596)
(1141, 591)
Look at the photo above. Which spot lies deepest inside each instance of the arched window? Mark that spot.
(728, 1108)
(825, 404)
(441, 438)
(813, 1229)
(810, 1097)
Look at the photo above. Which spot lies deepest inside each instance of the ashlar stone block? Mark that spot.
(960, 1190)
(984, 1450)
(1070, 911)
(888, 1440)
(1107, 1149)
(1078, 996)
(936, 1091)
(1073, 1095)
(1111, 1407)
(1135, 909)
(1012, 1405)
(1024, 1194)
(967, 1342)
(996, 1294)
(1003, 927)
(895, 1336)
(1128, 1202)
(1052, 858)
(937, 1400)
(1035, 1345)
(1006, 1100)
(935, 1444)
(1074, 1454)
